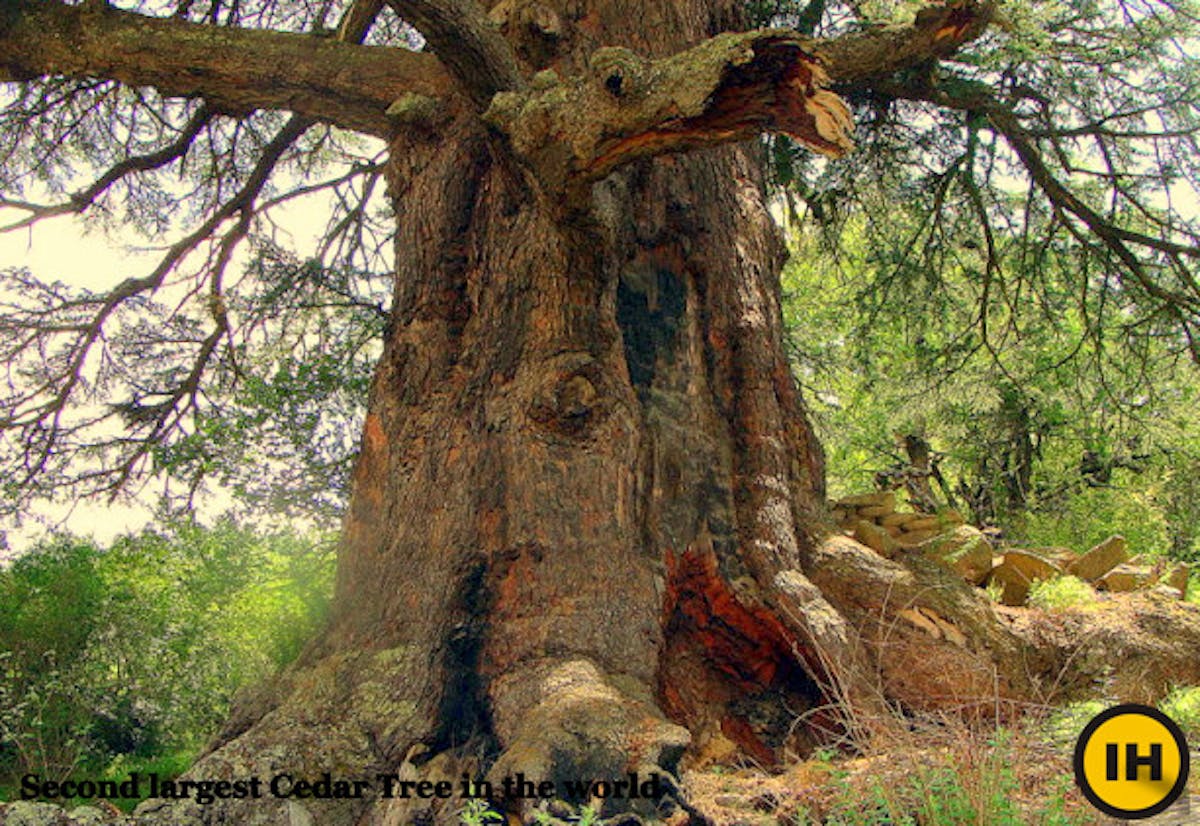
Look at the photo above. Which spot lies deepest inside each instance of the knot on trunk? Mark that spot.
(623, 73)
(568, 406)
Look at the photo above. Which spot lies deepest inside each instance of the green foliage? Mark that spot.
(1090, 515)
(1058, 445)
(127, 656)
(975, 782)
(1059, 593)
(476, 812)
(1182, 705)
(943, 285)
(1062, 727)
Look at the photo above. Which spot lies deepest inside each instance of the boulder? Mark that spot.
(1178, 577)
(1165, 591)
(1126, 577)
(1062, 557)
(911, 539)
(1017, 571)
(27, 813)
(898, 519)
(965, 550)
(1100, 560)
(875, 538)
(886, 498)
(951, 517)
(923, 522)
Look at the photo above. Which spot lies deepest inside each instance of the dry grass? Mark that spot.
(930, 772)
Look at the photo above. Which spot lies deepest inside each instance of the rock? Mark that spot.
(965, 550)
(1126, 577)
(92, 816)
(1165, 591)
(1017, 571)
(923, 522)
(885, 498)
(1178, 578)
(1062, 557)
(1100, 560)
(911, 539)
(875, 538)
(26, 813)
(951, 517)
(898, 519)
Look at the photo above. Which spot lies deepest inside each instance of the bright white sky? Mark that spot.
(63, 249)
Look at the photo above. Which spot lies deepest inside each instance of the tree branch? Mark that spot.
(1133, 250)
(473, 50)
(728, 88)
(937, 32)
(83, 199)
(236, 70)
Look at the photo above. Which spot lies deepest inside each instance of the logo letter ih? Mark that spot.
(1133, 761)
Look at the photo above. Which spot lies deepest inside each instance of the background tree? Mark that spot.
(125, 658)
(1056, 443)
(582, 385)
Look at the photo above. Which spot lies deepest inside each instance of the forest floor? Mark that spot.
(941, 773)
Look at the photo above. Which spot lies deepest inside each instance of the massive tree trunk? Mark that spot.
(586, 534)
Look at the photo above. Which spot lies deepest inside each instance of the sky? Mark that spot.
(62, 248)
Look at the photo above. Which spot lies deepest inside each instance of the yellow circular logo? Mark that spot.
(1131, 761)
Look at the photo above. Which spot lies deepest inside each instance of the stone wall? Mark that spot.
(875, 520)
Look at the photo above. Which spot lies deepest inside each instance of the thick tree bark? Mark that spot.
(586, 488)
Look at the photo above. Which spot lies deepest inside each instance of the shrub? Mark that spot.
(129, 655)
(1060, 593)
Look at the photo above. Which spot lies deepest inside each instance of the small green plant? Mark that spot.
(588, 816)
(1182, 705)
(1062, 728)
(477, 812)
(824, 755)
(1060, 593)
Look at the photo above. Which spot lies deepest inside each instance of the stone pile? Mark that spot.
(874, 520)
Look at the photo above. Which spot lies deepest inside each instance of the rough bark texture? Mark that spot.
(237, 70)
(584, 466)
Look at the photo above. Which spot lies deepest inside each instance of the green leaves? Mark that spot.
(135, 650)
(1015, 383)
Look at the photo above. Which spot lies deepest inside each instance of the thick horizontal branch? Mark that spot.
(729, 88)
(236, 70)
(937, 32)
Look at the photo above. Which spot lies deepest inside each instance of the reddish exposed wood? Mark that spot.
(748, 643)
(741, 733)
(771, 94)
